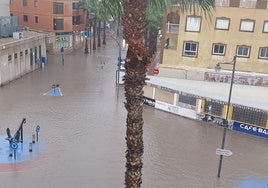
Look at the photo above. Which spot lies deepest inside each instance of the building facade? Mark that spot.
(20, 51)
(21, 54)
(64, 18)
(4, 8)
(251, 119)
(236, 28)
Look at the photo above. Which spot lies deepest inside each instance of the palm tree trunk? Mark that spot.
(104, 33)
(152, 40)
(99, 33)
(136, 64)
(94, 34)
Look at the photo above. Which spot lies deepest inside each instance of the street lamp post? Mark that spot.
(218, 68)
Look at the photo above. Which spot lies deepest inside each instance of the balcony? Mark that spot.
(172, 28)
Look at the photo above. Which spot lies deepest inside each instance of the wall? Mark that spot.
(240, 118)
(4, 8)
(17, 58)
(232, 37)
(44, 12)
(210, 75)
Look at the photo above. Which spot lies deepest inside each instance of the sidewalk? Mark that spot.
(251, 96)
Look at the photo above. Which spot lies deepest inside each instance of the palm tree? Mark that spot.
(101, 12)
(135, 23)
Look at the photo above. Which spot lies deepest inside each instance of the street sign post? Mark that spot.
(224, 152)
(37, 129)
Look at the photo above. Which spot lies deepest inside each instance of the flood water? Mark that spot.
(84, 134)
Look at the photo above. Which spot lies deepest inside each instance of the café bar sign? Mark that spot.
(251, 129)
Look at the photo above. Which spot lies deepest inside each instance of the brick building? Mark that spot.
(63, 18)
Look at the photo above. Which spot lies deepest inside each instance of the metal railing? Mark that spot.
(172, 28)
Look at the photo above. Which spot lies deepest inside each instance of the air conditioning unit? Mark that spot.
(17, 35)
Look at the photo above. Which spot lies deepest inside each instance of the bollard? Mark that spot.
(15, 157)
(14, 147)
(11, 153)
(30, 147)
(33, 139)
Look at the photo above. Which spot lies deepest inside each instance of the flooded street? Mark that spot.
(84, 134)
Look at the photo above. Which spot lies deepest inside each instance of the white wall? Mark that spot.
(4, 8)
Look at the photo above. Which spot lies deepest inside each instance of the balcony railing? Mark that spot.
(172, 28)
(242, 4)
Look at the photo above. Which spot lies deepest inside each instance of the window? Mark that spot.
(260, 4)
(222, 23)
(265, 27)
(21, 54)
(247, 4)
(36, 19)
(26, 52)
(218, 49)
(263, 53)
(25, 3)
(213, 107)
(187, 99)
(58, 24)
(193, 24)
(222, 3)
(234, 3)
(247, 25)
(190, 49)
(15, 56)
(36, 3)
(249, 115)
(25, 18)
(57, 8)
(76, 20)
(76, 5)
(9, 57)
(243, 51)
(171, 43)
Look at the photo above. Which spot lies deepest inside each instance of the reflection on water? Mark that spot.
(85, 134)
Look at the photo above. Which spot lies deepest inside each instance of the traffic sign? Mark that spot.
(224, 152)
(37, 129)
(156, 71)
(14, 145)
